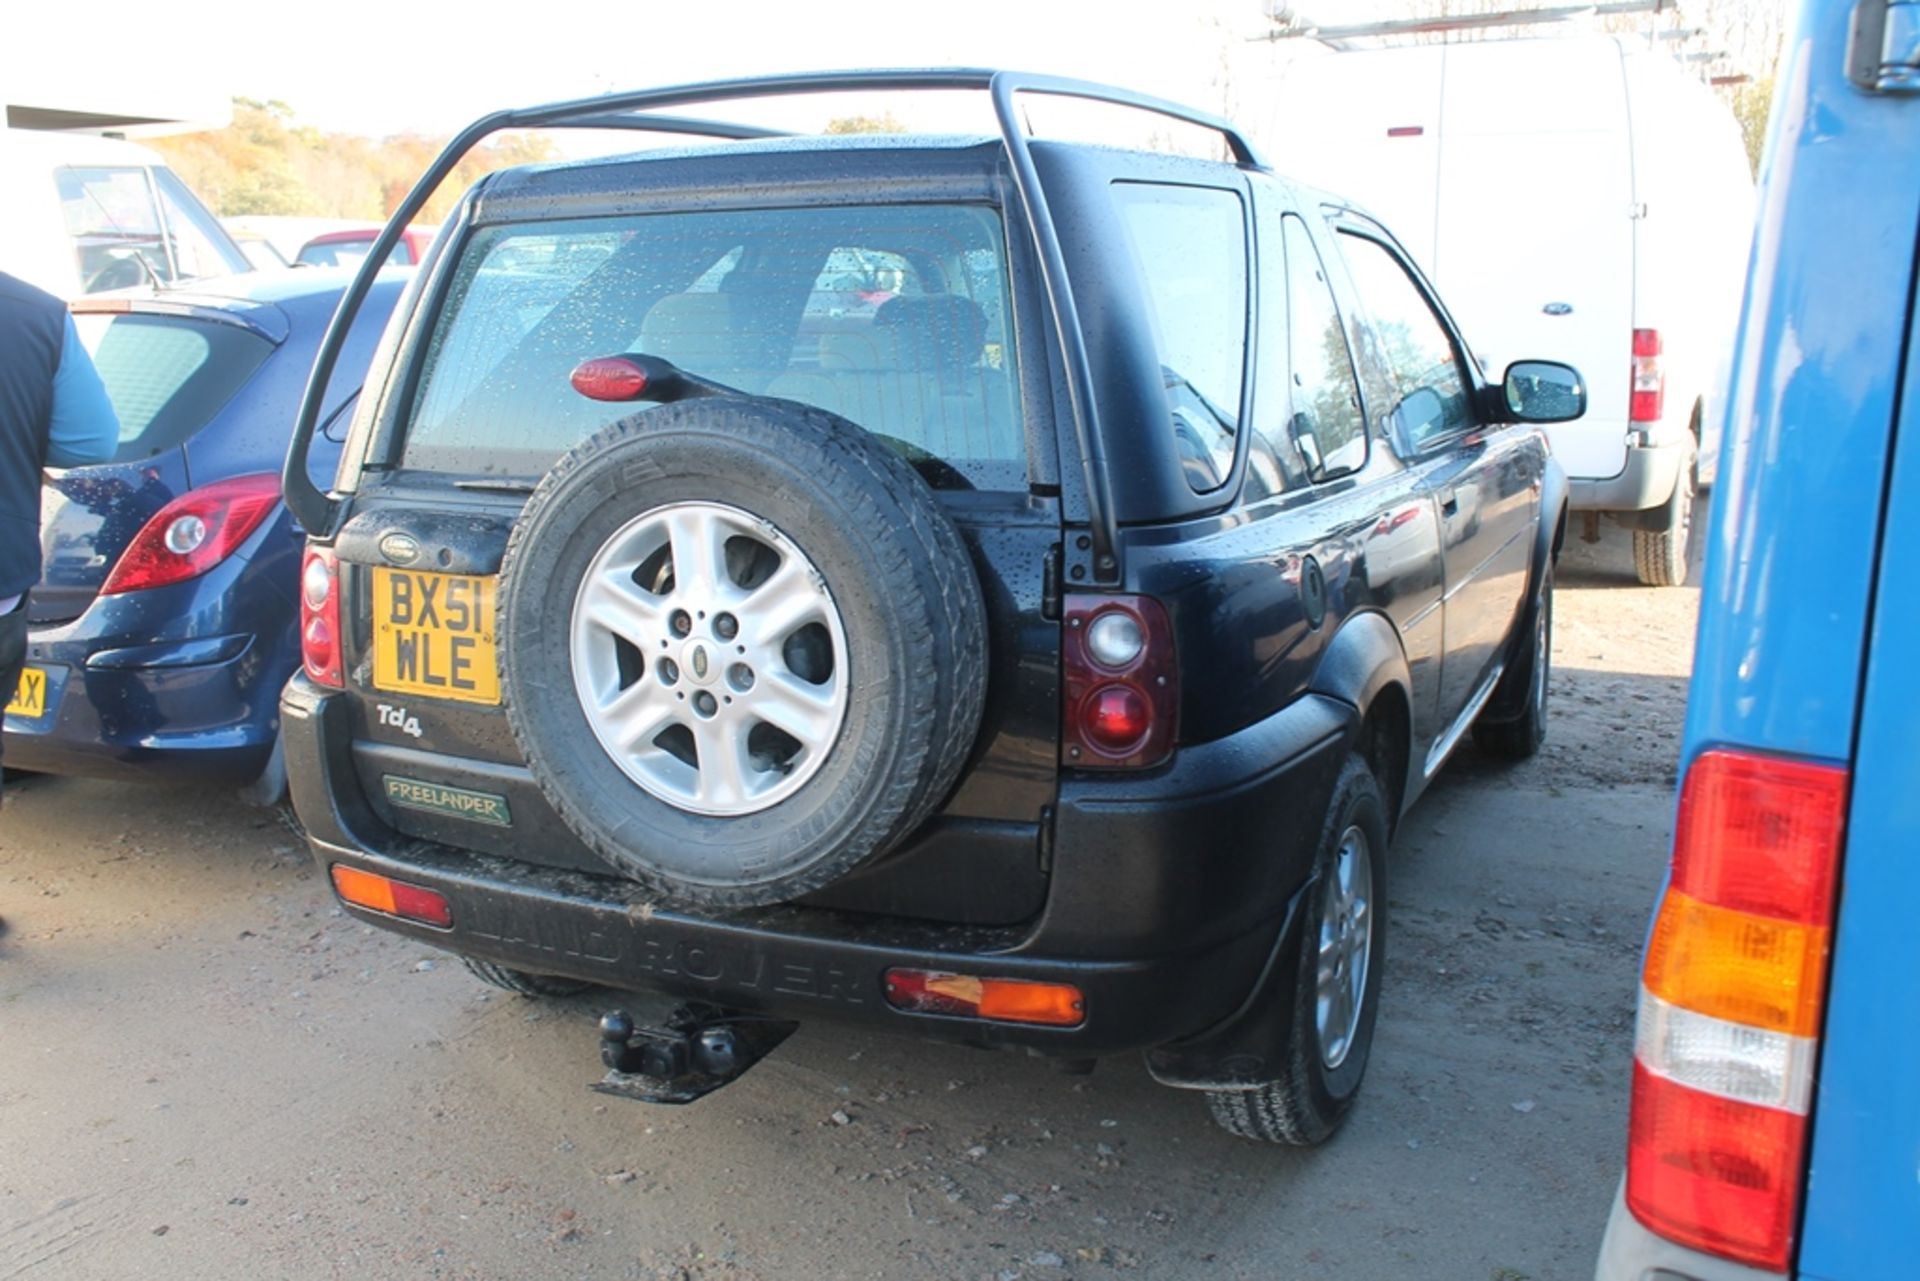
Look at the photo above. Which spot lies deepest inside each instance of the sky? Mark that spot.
(379, 68)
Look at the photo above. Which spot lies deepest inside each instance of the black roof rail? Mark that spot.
(637, 110)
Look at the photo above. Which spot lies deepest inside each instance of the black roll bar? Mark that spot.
(636, 110)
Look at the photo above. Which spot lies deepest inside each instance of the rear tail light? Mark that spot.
(1730, 1006)
(395, 898)
(1649, 379)
(1121, 690)
(193, 533)
(320, 618)
(1001, 1000)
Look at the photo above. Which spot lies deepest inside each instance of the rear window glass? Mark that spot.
(894, 317)
(167, 376)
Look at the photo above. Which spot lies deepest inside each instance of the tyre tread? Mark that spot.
(940, 653)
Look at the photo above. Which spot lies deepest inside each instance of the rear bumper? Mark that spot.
(1167, 898)
(199, 710)
(177, 682)
(1630, 1252)
(1645, 482)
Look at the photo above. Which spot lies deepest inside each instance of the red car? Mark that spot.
(347, 248)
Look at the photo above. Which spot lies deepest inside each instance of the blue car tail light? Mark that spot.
(193, 533)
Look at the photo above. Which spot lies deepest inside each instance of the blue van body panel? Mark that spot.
(1862, 1215)
(1789, 572)
(1809, 641)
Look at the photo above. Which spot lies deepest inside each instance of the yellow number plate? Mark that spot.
(433, 635)
(29, 697)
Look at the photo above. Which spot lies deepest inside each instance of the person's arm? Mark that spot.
(84, 428)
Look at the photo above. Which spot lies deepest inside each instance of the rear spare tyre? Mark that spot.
(743, 650)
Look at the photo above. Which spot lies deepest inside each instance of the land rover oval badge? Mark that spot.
(401, 549)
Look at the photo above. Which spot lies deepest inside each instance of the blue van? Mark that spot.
(1776, 1085)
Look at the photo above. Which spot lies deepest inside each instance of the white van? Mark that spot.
(1579, 198)
(83, 214)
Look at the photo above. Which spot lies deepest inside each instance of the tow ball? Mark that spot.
(697, 1050)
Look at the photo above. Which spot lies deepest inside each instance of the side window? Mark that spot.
(115, 226)
(1428, 398)
(200, 247)
(1192, 248)
(1324, 423)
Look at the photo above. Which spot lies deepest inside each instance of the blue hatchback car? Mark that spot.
(166, 620)
(1776, 1090)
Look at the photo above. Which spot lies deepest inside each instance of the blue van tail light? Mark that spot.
(1121, 682)
(193, 533)
(1730, 1005)
(320, 618)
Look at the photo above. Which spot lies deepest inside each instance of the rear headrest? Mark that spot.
(693, 330)
(944, 332)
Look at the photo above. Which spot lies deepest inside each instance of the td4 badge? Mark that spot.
(398, 718)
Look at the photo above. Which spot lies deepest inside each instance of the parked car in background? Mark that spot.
(83, 214)
(166, 621)
(346, 248)
(1775, 1115)
(730, 608)
(259, 250)
(1580, 198)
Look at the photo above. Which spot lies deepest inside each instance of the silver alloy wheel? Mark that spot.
(709, 658)
(1346, 944)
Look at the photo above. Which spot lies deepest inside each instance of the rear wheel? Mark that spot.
(1337, 991)
(522, 982)
(1660, 556)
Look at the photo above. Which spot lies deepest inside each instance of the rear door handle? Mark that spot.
(1449, 502)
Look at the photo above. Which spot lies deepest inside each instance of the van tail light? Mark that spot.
(1649, 378)
(1121, 684)
(193, 533)
(1730, 1005)
(320, 618)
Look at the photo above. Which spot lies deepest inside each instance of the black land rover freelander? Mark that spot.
(1002, 590)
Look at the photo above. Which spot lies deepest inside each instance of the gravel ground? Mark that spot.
(206, 1071)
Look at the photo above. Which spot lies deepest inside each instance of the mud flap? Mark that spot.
(1249, 1046)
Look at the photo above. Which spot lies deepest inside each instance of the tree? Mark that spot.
(265, 163)
(885, 122)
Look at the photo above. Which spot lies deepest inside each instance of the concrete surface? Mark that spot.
(206, 1071)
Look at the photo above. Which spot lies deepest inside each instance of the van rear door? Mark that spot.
(1534, 225)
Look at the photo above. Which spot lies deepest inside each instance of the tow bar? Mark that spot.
(699, 1049)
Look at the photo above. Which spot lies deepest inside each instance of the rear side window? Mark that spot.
(1324, 421)
(1191, 244)
(167, 376)
(891, 316)
(1427, 397)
